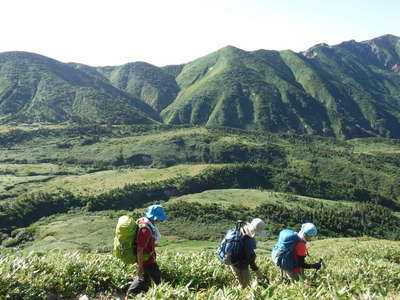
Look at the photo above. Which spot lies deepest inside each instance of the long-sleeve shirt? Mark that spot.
(146, 241)
(248, 257)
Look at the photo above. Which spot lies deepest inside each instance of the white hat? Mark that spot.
(257, 226)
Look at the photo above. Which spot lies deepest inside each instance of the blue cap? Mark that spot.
(309, 229)
(156, 213)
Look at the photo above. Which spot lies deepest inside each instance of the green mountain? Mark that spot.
(232, 87)
(347, 90)
(34, 88)
(144, 81)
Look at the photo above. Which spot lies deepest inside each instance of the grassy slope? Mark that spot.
(35, 88)
(255, 93)
(347, 90)
(355, 269)
(144, 81)
(92, 183)
(253, 198)
(94, 232)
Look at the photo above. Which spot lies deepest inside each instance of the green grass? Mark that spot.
(100, 182)
(355, 268)
(9, 182)
(375, 146)
(14, 180)
(30, 169)
(186, 246)
(74, 232)
(252, 198)
(6, 128)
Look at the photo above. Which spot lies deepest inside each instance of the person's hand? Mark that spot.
(317, 266)
(140, 273)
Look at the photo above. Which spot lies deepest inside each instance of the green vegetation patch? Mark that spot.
(250, 198)
(74, 232)
(10, 181)
(30, 169)
(103, 181)
(355, 268)
(375, 145)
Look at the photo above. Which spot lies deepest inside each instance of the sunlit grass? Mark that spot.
(99, 182)
(355, 268)
(87, 184)
(252, 198)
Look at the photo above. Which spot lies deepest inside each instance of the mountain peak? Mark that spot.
(230, 49)
(385, 40)
(387, 37)
(139, 64)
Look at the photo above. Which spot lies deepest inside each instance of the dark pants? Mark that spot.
(142, 284)
(242, 275)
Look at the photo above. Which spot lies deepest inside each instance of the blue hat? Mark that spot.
(156, 213)
(309, 229)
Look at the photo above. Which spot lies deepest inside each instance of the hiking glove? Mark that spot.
(316, 266)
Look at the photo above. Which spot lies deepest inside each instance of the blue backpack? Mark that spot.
(230, 247)
(282, 253)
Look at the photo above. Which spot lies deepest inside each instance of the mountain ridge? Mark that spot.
(347, 90)
(35, 88)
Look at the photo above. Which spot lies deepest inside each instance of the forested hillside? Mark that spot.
(49, 170)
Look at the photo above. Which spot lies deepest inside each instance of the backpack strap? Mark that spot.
(145, 224)
(239, 227)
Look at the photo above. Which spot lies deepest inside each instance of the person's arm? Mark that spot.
(301, 252)
(251, 257)
(142, 240)
(140, 259)
(252, 262)
(302, 264)
(254, 266)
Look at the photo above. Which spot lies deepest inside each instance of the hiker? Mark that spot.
(247, 256)
(290, 251)
(147, 237)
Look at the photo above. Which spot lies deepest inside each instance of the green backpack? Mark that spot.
(125, 240)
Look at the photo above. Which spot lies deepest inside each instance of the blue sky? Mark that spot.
(161, 32)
